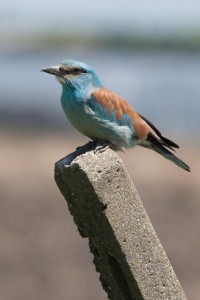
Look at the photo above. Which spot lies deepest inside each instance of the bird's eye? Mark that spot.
(73, 71)
(76, 71)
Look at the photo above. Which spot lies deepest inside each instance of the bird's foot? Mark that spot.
(101, 147)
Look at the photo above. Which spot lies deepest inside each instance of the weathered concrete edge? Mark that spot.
(127, 218)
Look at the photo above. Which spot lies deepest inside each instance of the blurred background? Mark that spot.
(149, 53)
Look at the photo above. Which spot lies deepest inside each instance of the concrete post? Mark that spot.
(107, 209)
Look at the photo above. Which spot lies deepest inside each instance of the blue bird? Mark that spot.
(104, 116)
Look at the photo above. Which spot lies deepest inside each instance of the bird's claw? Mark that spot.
(101, 147)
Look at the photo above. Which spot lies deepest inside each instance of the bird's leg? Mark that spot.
(90, 144)
(101, 147)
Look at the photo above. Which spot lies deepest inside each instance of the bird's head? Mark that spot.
(74, 75)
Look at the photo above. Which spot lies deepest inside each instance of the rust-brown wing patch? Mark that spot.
(113, 102)
(141, 127)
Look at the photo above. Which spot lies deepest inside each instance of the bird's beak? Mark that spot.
(52, 70)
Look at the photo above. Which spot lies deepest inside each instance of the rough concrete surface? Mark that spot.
(107, 209)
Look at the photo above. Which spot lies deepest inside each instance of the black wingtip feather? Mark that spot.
(169, 142)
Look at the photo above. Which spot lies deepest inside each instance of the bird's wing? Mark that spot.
(108, 105)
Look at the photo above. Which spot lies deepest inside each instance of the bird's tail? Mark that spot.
(169, 155)
(160, 148)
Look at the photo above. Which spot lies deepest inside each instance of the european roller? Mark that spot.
(104, 116)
